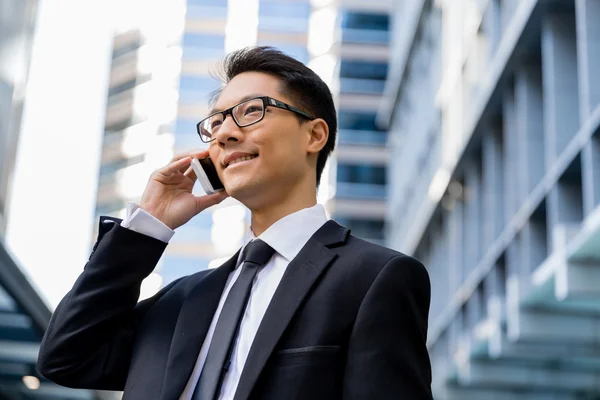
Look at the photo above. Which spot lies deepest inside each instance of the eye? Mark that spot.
(252, 109)
(215, 124)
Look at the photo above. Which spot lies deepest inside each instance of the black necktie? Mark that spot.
(255, 254)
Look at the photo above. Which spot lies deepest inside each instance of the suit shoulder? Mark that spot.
(372, 250)
(375, 257)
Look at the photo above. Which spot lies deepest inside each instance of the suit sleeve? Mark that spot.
(387, 354)
(89, 340)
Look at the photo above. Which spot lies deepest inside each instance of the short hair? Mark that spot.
(300, 83)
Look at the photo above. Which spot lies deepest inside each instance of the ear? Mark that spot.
(318, 133)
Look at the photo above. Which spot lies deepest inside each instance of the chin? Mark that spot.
(249, 193)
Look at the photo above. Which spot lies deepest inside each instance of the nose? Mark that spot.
(229, 132)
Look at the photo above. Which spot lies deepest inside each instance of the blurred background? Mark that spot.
(469, 137)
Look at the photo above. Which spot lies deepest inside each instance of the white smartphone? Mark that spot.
(207, 175)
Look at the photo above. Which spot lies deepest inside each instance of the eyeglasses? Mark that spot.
(246, 113)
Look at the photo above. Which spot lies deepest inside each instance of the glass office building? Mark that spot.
(493, 115)
(361, 158)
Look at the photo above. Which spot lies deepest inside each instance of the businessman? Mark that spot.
(303, 311)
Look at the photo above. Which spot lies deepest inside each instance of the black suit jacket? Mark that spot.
(348, 321)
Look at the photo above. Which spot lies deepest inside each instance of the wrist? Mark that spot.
(156, 213)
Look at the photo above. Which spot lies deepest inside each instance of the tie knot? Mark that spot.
(257, 252)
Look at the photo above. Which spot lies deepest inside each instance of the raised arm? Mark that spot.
(89, 340)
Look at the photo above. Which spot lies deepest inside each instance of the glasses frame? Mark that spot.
(267, 102)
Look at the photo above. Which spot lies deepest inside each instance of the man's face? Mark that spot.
(265, 160)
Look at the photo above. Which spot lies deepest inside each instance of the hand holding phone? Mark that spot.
(206, 174)
(168, 194)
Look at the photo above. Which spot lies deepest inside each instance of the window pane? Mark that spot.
(356, 120)
(365, 28)
(364, 228)
(361, 173)
(363, 70)
(346, 136)
(358, 20)
(363, 86)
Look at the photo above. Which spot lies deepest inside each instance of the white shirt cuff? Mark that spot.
(142, 222)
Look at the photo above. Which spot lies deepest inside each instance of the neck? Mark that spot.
(287, 203)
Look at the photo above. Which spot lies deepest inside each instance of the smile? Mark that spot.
(241, 159)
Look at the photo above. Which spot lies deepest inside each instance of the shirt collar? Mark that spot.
(288, 235)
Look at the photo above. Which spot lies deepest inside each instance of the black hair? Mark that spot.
(300, 83)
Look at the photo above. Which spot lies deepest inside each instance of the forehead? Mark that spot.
(247, 84)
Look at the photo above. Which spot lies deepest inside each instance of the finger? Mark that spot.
(175, 166)
(196, 153)
(203, 202)
(190, 173)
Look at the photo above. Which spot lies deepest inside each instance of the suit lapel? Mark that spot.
(300, 275)
(194, 319)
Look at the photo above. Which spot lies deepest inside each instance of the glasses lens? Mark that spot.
(208, 127)
(249, 112)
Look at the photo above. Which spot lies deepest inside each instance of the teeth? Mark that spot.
(240, 159)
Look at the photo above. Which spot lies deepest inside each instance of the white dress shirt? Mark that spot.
(287, 236)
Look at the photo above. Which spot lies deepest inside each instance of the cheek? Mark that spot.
(213, 153)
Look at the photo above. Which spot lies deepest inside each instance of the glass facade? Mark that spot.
(361, 172)
(372, 230)
(203, 46)
(197, 88)
(207, 9)
(496, 190)
(362, 77)
(126, 49)
(358, 120)
(364, 28)
(360, 137)
(283, 16)
(363, 70)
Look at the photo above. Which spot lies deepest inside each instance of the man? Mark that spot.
(306, 310)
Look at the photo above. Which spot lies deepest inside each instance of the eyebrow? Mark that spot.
(247, 97)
